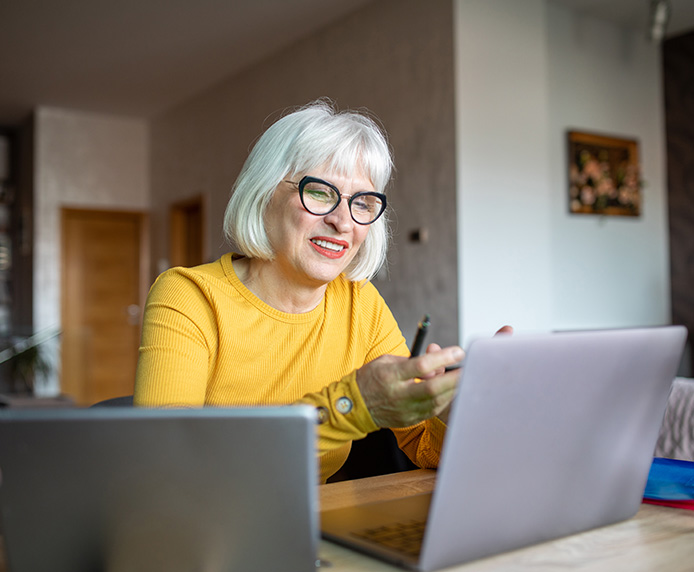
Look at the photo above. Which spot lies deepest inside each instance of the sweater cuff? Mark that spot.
(342, 413)
(362, 416)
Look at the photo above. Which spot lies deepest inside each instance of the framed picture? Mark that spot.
(604, 175)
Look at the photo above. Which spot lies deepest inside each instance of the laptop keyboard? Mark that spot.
(401, 536)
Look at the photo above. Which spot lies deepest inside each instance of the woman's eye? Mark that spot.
(363, 205)
(322, 195)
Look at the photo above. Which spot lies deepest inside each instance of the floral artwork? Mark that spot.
(604, 175)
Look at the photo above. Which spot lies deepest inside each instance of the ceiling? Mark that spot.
(635, 14)
(141, 57)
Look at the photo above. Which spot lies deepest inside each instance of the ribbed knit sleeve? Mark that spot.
(422, 442)
(342, 417)
(178, 340)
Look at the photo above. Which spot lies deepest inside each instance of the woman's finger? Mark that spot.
(426, 365)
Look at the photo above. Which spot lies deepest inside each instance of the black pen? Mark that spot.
(421, 334)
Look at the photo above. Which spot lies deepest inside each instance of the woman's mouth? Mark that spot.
(329, 247)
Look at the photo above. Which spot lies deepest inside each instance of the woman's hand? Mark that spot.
(400, 391)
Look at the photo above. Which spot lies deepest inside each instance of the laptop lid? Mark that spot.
(549, 435)
(128, 489)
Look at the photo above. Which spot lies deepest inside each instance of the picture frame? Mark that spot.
(604, 175)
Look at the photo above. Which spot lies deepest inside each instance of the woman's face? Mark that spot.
(314, 250)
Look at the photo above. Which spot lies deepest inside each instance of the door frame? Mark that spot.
(179, 231)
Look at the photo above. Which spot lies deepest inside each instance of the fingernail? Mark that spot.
(458, 353)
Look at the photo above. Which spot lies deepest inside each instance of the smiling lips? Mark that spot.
(329, 246)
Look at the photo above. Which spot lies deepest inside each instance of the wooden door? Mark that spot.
(103, 281)
(186, 239)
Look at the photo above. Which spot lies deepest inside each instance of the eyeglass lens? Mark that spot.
(319, 199)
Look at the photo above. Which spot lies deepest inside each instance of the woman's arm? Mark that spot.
(174, 363)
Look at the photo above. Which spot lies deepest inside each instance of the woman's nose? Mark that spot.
(340, 218)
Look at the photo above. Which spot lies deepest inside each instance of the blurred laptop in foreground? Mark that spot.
(128, 489)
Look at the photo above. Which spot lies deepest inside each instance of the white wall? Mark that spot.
(504, 196)
(607, 271)
(525, 73)
(81, 160)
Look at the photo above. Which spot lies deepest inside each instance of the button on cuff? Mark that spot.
(323, 415)
(344, 405)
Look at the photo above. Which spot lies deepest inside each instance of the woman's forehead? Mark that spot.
(330, 169)
(338, 176)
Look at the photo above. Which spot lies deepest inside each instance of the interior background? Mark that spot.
(477, 96)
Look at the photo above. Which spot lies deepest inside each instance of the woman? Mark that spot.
(291, 317)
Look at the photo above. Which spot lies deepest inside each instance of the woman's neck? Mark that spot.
(263, 279)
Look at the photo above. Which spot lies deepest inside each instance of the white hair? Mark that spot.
(315, 135)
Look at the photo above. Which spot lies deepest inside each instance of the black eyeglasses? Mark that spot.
(321, 198)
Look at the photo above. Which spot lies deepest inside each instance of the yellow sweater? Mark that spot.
(208, 340)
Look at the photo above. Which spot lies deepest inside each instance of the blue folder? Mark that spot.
(670, 480)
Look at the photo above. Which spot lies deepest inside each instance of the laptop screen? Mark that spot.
(141, 489)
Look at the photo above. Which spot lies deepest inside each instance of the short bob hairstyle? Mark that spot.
(313, 136)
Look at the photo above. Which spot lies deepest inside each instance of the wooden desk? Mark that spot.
(656, 539)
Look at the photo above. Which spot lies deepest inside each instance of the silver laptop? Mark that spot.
(128, 489)
(549, 435)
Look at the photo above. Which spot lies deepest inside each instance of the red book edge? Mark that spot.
(686, 504)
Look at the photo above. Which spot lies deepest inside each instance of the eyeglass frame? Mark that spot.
(308, 179)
